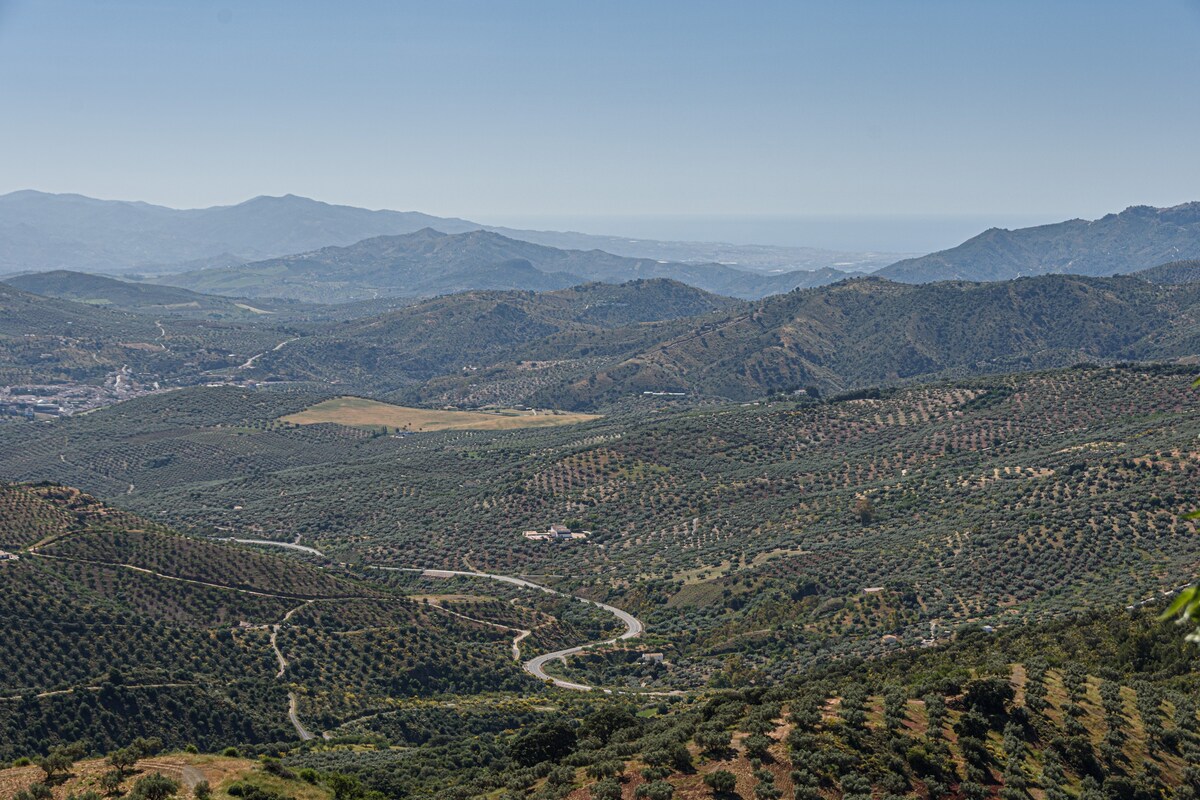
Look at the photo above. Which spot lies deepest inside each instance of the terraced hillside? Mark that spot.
(754, 529)
(116, 627)
(975, 539)
(1173, 272)
(466, 334)
(1101, 707)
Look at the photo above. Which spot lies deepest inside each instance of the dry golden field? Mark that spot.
(362, 413)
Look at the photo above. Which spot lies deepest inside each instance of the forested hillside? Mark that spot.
(869, 332)
(517, 348)
(598, 345)
(1172, 272)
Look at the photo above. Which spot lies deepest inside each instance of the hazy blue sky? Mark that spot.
(559, 110)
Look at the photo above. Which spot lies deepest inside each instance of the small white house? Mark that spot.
(557, 533)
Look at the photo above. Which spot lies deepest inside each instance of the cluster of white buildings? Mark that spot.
(557, 533)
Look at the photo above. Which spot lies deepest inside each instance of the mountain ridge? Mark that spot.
(849, 335)
(1136, 238)
(140, 297)
(1173, 272)
(40, 231)
(430, 262)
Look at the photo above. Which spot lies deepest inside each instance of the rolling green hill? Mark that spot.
(1007, 499)
(868, 331)
(474, 330)
(117, 627)
(514, 349)
(45, 340)
(1036, 505)
(598, 345)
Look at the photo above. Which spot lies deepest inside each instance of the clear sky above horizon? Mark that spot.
(541, 111)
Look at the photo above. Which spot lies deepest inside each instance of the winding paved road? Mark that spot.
(304, 733)
(289, 545)
(536, 666)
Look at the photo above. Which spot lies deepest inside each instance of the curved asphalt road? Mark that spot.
(536, 666)
(289, 545)
(304, 733)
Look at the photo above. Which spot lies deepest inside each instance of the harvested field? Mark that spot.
(359, 412)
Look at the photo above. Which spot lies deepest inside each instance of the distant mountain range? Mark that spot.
(40, 231)
(296, 249)
(1137, 238)
(428, 263)
(54, 231)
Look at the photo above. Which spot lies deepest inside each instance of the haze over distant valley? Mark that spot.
(40, 231)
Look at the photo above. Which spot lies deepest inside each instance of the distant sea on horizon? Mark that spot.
(892, 234)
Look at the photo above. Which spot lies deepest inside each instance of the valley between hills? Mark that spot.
(863, 539)
(599, 401)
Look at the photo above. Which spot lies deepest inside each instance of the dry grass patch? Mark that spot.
(450, 598)
(188, 769)
(358, 412)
